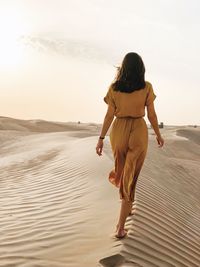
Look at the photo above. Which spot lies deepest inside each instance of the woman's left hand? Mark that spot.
(99, 147)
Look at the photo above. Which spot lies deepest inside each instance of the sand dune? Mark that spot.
(53, 198)
(42, 125)
(191, 134)
(165, 228)
(58, 208)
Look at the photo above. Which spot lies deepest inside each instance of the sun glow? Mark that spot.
(11, 50)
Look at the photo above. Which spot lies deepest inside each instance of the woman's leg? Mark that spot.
(126, 207)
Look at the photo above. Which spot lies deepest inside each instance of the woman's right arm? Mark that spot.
(152, 117)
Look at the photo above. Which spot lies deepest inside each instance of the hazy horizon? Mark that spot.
(57, 58)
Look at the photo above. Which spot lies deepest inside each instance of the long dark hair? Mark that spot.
(130, 75)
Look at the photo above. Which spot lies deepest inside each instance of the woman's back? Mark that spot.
(130, 104)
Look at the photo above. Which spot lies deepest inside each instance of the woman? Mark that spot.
(127, 97)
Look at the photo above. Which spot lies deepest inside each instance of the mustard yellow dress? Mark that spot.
(128, 137)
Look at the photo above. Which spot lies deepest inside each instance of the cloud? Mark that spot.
(68, 47)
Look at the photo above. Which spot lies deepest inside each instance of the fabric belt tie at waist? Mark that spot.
(128, 117)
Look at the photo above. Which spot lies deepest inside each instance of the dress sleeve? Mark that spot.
(150, 96)
(108, 99)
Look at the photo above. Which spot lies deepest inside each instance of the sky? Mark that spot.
(58, 57)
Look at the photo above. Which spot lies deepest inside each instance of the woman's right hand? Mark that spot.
(160, 141)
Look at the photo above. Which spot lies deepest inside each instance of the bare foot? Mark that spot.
(121, 233)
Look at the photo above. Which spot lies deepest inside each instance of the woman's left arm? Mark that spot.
(106, 125)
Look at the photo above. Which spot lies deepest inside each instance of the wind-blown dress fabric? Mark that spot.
(128, 137)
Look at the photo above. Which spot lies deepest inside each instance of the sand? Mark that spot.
(57, 207)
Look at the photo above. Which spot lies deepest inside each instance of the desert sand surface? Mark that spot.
(57, 207)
